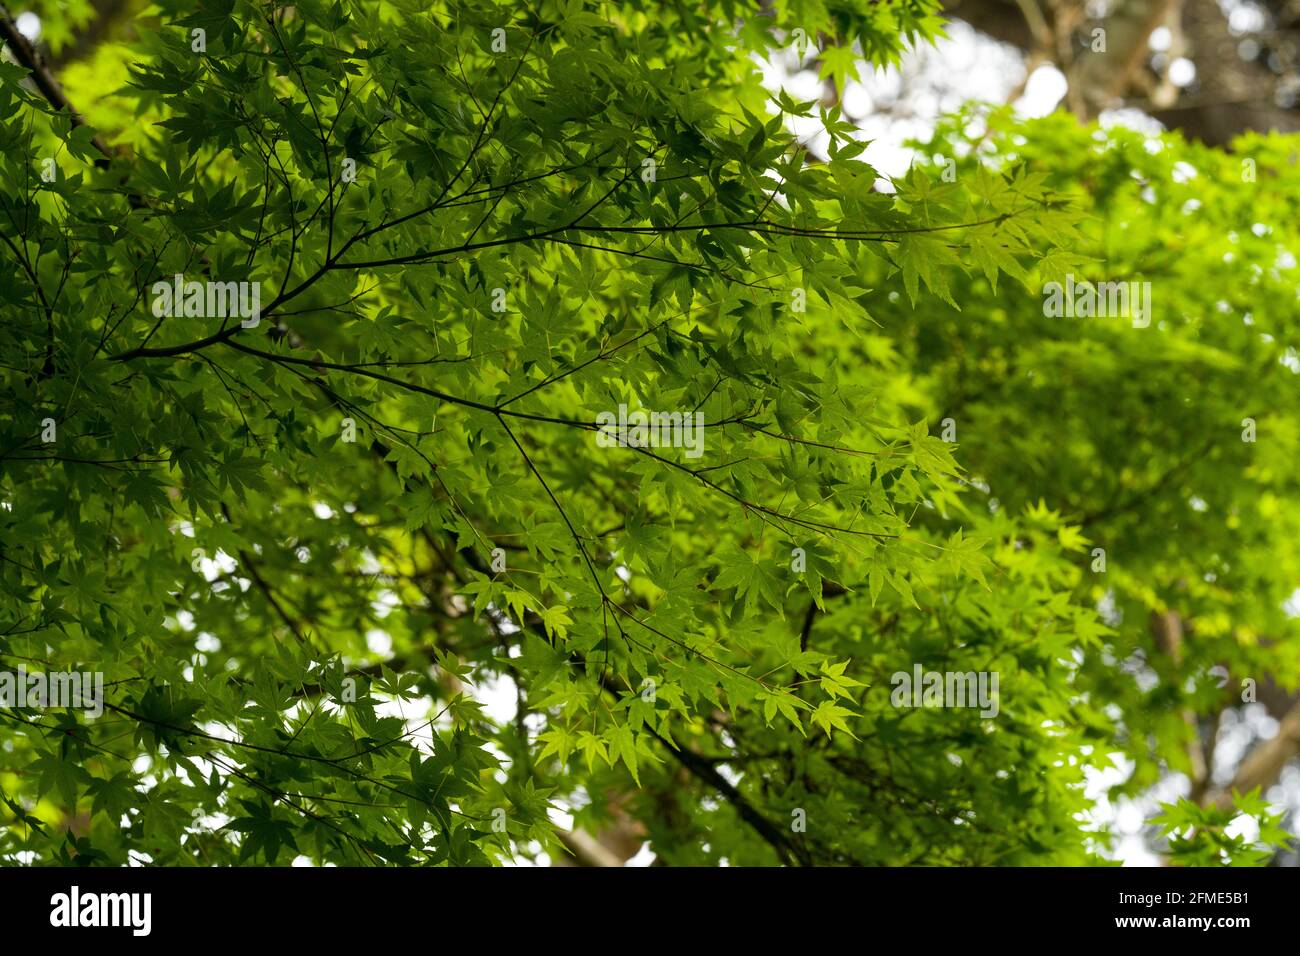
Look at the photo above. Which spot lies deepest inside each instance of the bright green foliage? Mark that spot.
(1172, 446)
(1204, 836)
(298, 550)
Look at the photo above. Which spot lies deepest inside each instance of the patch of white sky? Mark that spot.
(891, 105)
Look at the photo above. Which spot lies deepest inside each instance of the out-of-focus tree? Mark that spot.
(1217, 67)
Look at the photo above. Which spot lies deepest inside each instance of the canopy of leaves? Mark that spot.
(301, 549)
